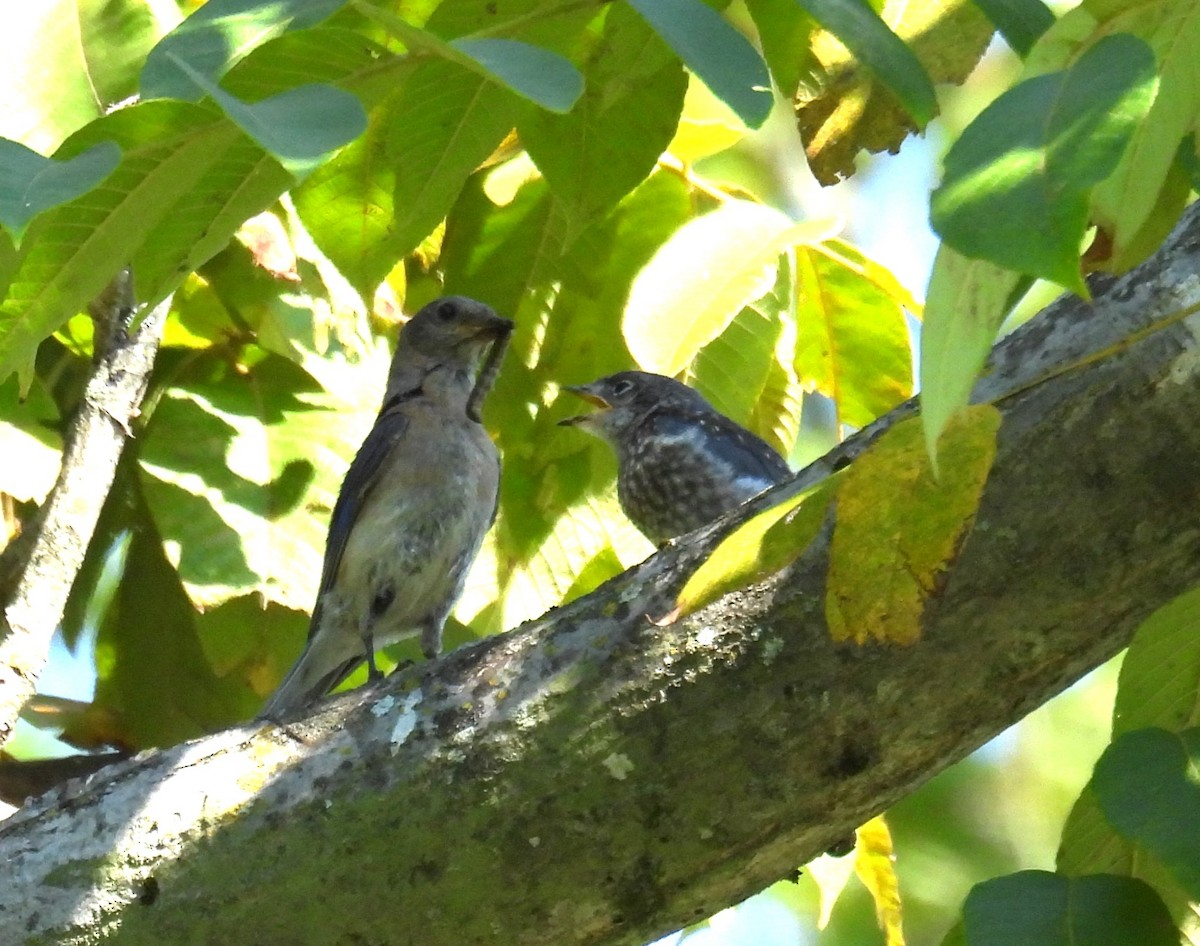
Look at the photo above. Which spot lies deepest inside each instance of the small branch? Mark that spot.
(51, 556)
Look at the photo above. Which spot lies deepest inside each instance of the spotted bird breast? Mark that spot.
(679, 473)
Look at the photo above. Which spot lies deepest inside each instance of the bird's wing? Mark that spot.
(744, 452)
(390, 427)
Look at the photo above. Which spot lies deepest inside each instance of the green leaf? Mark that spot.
(384, 193)
(1159, 686)
(701, 278)
(968, 300)
(611, 140)
(243, 501)
(1122, 204)
(67, 61)
(29, 438)
(299, 127)
(152, 673)
(734, 370)
(74, 250)
(1021, 22)
(30, 183)
(785, 31)
(852, 342)
(1160, 676)
(716, 52)
(1035, 906)
(218, 35)
(544, 77)
(1016, 185)
(865, 34)
(1148, 786)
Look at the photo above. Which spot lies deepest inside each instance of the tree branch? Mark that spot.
(50, 558)
(592, 778)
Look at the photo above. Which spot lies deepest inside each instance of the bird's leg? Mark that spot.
(379, 604)
(431, 637)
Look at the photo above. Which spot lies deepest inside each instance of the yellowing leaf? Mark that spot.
(758, 548)
(703, 276)
(706, 126)
(875, 865)
(852, 342)
(898, 529)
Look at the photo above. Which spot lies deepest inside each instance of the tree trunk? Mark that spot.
(593, 778)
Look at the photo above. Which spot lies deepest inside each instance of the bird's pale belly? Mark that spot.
(407, 558)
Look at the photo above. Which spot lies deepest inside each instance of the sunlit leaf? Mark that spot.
(610, 141)
(385, 192)
(218, 35)
(243, 502)
(703, 276)
(67, 61)
(545, 78)
(540, 75)
(1016, 183)
(1122, 204)
(968, 300)
(843, 109)
(785, 31)
(852, 342)
(152, 675)
(899, 529)
(300, 127)
(716, 52)
(875, 864)
(756, 549)
(706, 126)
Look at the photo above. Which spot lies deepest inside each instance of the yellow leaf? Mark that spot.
(899, 529)
(706, 126)
(875, 865)
(758, 548)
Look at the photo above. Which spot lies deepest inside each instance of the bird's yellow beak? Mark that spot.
(584, 391)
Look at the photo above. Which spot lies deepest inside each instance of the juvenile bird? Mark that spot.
(414, 506)
(680, 463)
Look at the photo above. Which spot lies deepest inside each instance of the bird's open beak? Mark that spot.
(584, 391)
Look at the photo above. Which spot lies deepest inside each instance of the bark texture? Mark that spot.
(46, 560)
(592, 778)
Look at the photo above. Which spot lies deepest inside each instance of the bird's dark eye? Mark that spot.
(622, 387)
(446, 311)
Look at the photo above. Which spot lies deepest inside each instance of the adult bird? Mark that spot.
(414, 506)
(680, 463)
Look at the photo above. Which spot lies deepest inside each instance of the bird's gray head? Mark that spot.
(453, 329)
(624, 399)
(450, 333)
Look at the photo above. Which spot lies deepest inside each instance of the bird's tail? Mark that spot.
(316, 673)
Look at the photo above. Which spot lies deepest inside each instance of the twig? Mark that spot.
(61, 532)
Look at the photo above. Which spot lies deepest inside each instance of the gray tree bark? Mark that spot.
(593, 778)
